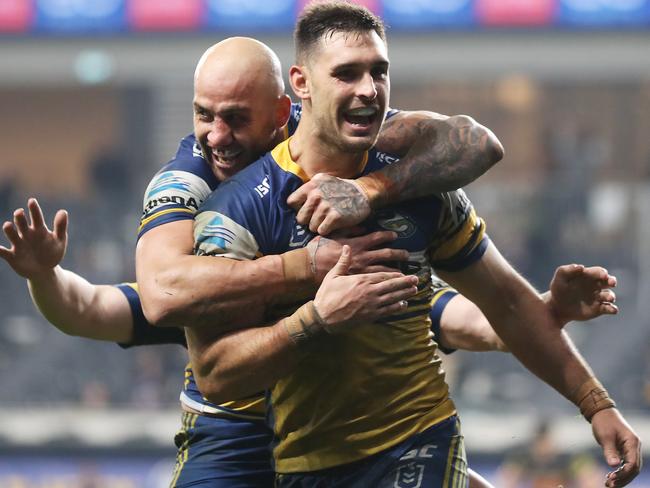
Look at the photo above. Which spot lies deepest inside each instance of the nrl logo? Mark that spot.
(397, 223)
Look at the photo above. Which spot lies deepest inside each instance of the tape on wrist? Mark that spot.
(372, 187)
(297, 267)
(591, 397)
(304, 324)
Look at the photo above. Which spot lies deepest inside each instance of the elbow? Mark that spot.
(214, 386)
(159, 309)
(482, 145)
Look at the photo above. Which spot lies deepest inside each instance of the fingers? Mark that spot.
(299, 197)
(396, 284)
(6, 254)
(306, 211)
(596, 273)
(606, 296)
(372, 240)
(383, 255)
(608, 309)
(36, 214)
(60, 225)
(318, 215)
(328, 225)
(20, 222)
(12, 234)
(569, 271)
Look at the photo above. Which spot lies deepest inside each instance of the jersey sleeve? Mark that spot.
(228, 224)
(177, 191)
(442, 293)
(144, 333)
(461, 239)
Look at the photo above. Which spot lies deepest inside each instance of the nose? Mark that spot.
(220, 134)
(367, 89)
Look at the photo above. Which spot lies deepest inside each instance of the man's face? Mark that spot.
(349, 87)
(234, 120)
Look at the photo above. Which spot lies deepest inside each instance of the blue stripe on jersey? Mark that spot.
(440, 302)
(144, 333)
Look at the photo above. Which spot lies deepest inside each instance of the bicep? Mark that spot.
(402, 130)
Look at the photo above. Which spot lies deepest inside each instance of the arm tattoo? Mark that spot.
(439, 155)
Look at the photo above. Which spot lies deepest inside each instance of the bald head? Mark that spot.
(240, 108)
(238, 59)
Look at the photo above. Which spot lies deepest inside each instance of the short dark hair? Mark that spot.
(322, 19)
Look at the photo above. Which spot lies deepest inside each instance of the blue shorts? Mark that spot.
(434, 458)
(216, 452)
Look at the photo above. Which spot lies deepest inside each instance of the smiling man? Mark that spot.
(365, 403)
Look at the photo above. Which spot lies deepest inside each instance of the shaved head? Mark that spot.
(240, 108)
(241, 58)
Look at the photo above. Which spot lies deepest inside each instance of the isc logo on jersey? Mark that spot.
(178, 189)
(386, 158)
(216, 234)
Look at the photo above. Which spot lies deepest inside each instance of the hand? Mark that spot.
(328, 203)
(35, 249)
(365, 257)
(619, 443)
(579, 293)
(343, 298)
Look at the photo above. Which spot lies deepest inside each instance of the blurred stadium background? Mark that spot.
(95, 95)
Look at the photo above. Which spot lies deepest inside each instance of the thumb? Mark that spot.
(342, 267)
(570, 271)
(611, 454)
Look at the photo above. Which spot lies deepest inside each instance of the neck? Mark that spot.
(315, 155)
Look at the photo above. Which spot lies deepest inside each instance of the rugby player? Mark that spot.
(113, 313)
(174, 194)
(239, 107)
(362, 403)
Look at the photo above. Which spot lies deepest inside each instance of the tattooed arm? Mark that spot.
(438, 154)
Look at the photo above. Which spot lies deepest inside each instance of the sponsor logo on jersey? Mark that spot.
(263, 188)
(397, 223)
(176, 200)
(387, 158)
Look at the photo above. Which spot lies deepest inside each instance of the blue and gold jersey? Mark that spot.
(363, 391)
(179, 188)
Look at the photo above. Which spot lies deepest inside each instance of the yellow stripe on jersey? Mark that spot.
(282, 157)
(164, 212)
(465, 239)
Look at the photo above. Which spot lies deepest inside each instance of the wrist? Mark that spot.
(554, 308)
(298, 267)
(376, 188)
(591, 397)
(304, 324)
(42, 277)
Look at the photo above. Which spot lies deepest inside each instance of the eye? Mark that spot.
(380, 73)
(345, 74)
(202, 114)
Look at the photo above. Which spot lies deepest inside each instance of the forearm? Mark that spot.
(524, 323)
(77, 307)
(242, 362)
(439, 154)
(178, 288)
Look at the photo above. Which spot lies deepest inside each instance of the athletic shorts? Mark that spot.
(216, 452)
(434, 458)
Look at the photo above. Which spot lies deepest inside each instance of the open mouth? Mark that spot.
(362, 117)
(226, 158)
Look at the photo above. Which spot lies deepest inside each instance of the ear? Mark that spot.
(299, 83)
(283, 111)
